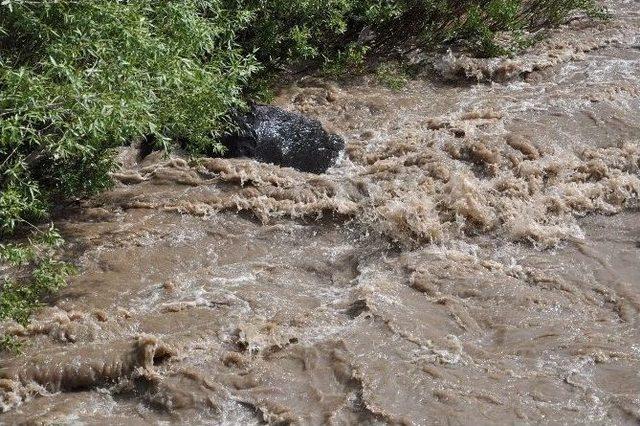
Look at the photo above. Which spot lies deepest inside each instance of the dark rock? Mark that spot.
(273, 135)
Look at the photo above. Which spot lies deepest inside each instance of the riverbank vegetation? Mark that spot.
(81, 78)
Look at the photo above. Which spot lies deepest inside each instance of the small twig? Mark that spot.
(8, 158)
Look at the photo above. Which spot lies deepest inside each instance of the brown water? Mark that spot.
(473, 259)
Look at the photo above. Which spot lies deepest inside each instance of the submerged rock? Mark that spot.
(273, 135)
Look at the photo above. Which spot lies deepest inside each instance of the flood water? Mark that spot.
(474, 258)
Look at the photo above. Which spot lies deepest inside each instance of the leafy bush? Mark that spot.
(79, 78)
(38, 274)
(10, 344)
(392, 75)
(286, 30)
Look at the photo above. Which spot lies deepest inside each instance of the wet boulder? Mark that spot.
(273, 135)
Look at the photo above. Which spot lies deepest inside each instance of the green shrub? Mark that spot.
(474, 24)
(79, 78)
(392, 75)
(10, 344)
(36, 274)
(351, 59)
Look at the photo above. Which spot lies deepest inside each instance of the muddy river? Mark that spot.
(473, 258)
